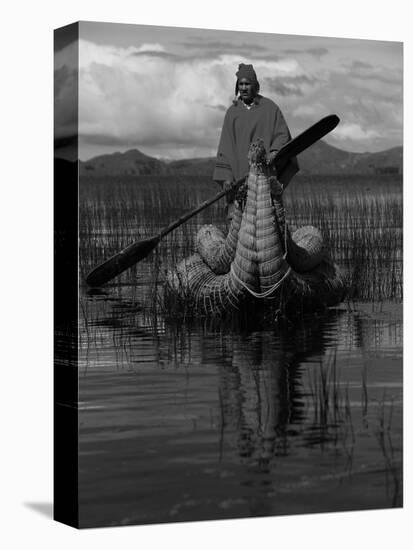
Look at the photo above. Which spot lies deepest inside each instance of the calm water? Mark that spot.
(198, 421)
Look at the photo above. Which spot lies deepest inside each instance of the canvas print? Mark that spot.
(228, 310)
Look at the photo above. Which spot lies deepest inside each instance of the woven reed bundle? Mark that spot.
(324, 285)
(195, 282)
(214, 293)
(216, 249)
(280, 217)
(306, 248)
(271, 263)
(244, 267)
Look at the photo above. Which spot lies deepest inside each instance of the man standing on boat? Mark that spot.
(251, 116)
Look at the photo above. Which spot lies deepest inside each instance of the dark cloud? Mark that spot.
(105, 139)
(299, 79)
(160, 139)
(285, 90)
(63, 78)
(367, 72)
(316, 52)
(209, 55)
(289, 85)
(371, 107)
(360, 65)
(65, 36)
(157, 54)
(243, 54)
(66, 141)
(207, 50)
(204, 54)
(216, 107)
(384, 79)
(65, 102)
(271, 57)
(224, 46)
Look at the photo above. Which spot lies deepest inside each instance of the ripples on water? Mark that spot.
(202, 422)
(205, 421)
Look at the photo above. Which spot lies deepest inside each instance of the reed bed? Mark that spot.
(341, 414)
(360, 219)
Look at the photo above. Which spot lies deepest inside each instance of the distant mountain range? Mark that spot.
(320, 158)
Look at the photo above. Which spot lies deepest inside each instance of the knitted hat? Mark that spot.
(246, 71)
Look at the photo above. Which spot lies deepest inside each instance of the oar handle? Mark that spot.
(199, 208)
(139, 250)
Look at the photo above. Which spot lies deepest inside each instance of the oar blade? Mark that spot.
(304, 140)
(121, 261)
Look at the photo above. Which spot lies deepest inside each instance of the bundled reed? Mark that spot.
(252, 262)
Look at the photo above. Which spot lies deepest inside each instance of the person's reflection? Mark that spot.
(260, 388)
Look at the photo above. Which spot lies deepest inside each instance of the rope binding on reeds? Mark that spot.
(259, 255)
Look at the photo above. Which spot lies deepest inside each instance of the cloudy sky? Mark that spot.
(165, 90)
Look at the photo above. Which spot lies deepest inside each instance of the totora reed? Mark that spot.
(259, 262)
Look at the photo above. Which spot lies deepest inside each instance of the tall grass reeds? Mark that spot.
(361, 220)
(330, 403)
(338, 418)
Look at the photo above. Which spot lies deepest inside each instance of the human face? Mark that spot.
(246, 89)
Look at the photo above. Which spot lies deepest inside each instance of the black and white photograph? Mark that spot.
(205, 237)
(240, 271)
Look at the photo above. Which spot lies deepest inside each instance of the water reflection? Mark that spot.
(241, 413)
(258, 379)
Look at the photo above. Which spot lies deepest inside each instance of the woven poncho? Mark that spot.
(241, 127)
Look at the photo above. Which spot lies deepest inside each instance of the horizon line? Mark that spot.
(172, 159)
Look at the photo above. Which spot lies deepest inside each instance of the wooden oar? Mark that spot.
(137, 251)
(304, 140)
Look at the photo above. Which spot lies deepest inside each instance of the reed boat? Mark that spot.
(259, 261)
